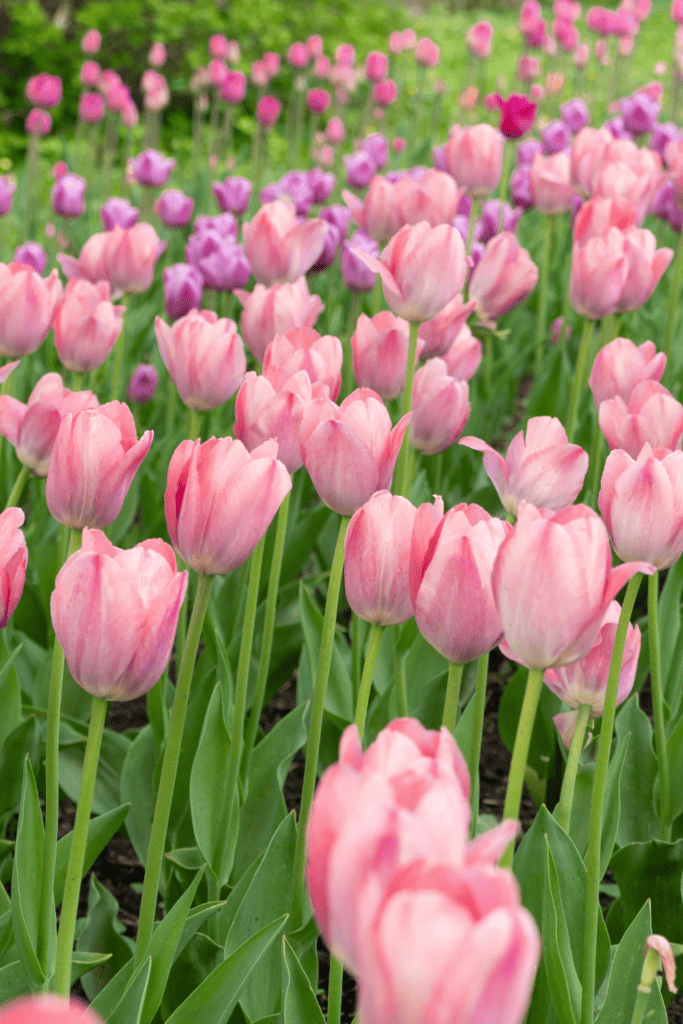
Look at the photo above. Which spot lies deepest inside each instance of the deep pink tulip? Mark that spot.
(454, 606)
(479, 38)
(27, 307)
(91, 41)
(380, 352)
(553, 581)
(275, 310)
(377, 558)
(32, 428)
(44, 90)
(376, 66)
(318, 100)
(262, 413)
(422, 269)
(13, 561)
(385, 93)
(268, 110)
(204, 357)
(280, 248)
(620, 365)
(541, 468)
(91, 107)
(433, 198)
(38, 122)
(645, 266)
(86, 325)
(549, 182)
(474, 156)
(95, 456)
(220, 499)
(441, 332)
(427, 52)
(441, 408)
(90, 74)
(303, 348)
(126, 257)
(157, 55)
(585, 681)
(234, 87)
(298, 55)
(378, 215)
(517, 114)
(350, 450)
(115, 613)
(651, 415)
(47, 1009)
(598, 275)
(504, 276)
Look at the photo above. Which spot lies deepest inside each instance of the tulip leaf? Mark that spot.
(299, 1003)
(638, 821)
(137, 787)
(113, 751)
(100, 831)
(654, 871)
(121, 525)
(26, 878)
(563, 981)
(129, 1008)
(102, 930)
(674, 748)
(669, 613)
(6, 931)
(189, 858)
(339, 697)
(82, 962)
(215, 999)
(25, 738)
(193, 965)
(625, 975)
(10, 697)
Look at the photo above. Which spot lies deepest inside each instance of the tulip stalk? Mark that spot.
(400, 676)
(577, 380)
(334, 991)
(402, 475)
(597, 801)
(658, 709)
(563, 811)
(18, 487)
(508, 153)
(74, 871)
(477, 731)
(169, 769)
(117, 368)
(452, 703)
(315, 728)
(371, 652)
(674, 298)
(543, 291)
(520, 753)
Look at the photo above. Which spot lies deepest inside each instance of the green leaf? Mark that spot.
(612, 804)
(216, 997)
(114, 748)
(669, 610)
(24, 739)
(543, 735)
(674, 748)
(82, 962)
(129, 1009)
(137, 788)
(565, 987)
(653, 871)
(339, 696)
(207, 789)
(100, 831)
(26, 876)
(626, 970)
(189, 858)
(638, 821)
(10, 697)
(299, 1002)
(14, 981)
(101, 930)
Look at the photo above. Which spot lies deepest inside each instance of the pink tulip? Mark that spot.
(13, 561)
(44, 90)
(517, 114)
(474, 156)
(376, 560)
(275, 310)
(504, 276)
(380, 353)
(629, 174)
(378, 215)
(454, 606)
(598, 275)
(645, 266)
(597, 216)
(302, 348)
(441, 332)
(32, 428)
(651, 415)
(549, 182)
(479, 38)
(268, 110)
(542, 469)
(464, 356)
(441, 408)
(422, 269)
(157, 55)
(427, 52)
(528, 68)
(204, 357)
(587, 156)
(126, 257)
(220, 499)
(27, 307)
(433, 198)
(47, 1009)
(86, 325)
(280, 248)
(620, 365)
(350, 450)
(262, 412)
(115, 613)
(553, 581)
(585, 681)
(376, 66)
(95, 456)
(91, 41)
(385, 93)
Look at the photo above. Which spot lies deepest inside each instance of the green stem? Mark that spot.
(76, 381)
(401, 477)
(117, 369)
(268, 631)
(543, 291)
(674, 298)
(400, 677)
(54, 704)
(334, 991)
(508, 150)
(474, 210)
(657, 709)
(597, 801)
(194, 424)
(241, 684)
(477, 730)
(171, 402)
(452, 702)
(371, 652)
(520, 752)
(169, 768)
(577, 380)
(18, 487)
(563, 811)
(594, 464)
(315, 728)
(74, 871)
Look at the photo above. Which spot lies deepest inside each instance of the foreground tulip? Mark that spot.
(27, 308)
(651, 415)
(13, 561)
(380, 350)
(474, 156)
(280, 248)
(620, 366)
(302, 348)
(209, 488)
(504, 276)
(115, 614)
(126, 257)
(47, 1009)
(441, 408)
(204, 356)
(275, 310)
(541, 468)
(377, 558)
(350, 450)
(95, 456)
(86, 325)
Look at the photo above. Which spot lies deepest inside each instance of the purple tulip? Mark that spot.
(377, 147)
(332, 241)
(487, 225)
(338, 215)
(577, 203)
(575, 114)
(233, 194)
(7, 190)
(356, 276)
(152, 169)
(67, 196)
(360, 168)
(438, 158)
(527, 150)
(142, 384)
(321, 183)
(662, 135)
(640, 112)
(618, 128)
(182, 289)
(556, 137)
(174, 208)
(118, 212)
(224, 266)
(663, 206)
(296, 185)
(32, 254)
(520, 189)
(464, 206)
(269, 193)
(461, 222)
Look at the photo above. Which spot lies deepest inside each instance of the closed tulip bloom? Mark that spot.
(262, 412)
(91, 107)
(152, 168)
(440, 333)
(234, 87)
(91, 41)
(432, 198)
(585, 681)
(517, 114)
(504, 276)
(48, 1009)
(115, 613)
(125, 257)
(541, 468)
(587, 155)
(142, 384)
(38, 122)
(598, 275)
(276, 310)
(380, 352)
(620, 365)
(464, 356)
(651, 415)
(268, 110)
(553, 581)
(183, 286)
(422, 269)
(13, 561)
(220, 499)
(204, 357)
(233, 194)
(441, 408)
(376, 560)
(355, 275)
(376, 66)
(95, 456)
(278, 247)
(549, 181)
(33, 255)
(174, 208)
(427, 52)
(595, 218)
(479, 38)
(67, 196)
(646, 264)
(378, 148)
(378, 215)
(454, 606)
(118, 212)
(474, 156)
(575, 114)
(303, 348)
(86, 325)
(44, 90)
(360, 168)
(27, 308)
(350, 450)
